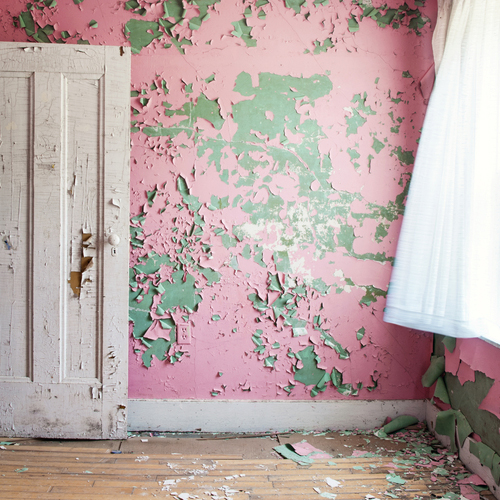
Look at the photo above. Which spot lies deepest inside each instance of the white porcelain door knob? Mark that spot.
(114, 239)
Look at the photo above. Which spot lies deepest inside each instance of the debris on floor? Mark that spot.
(408, 464)
(302, 452)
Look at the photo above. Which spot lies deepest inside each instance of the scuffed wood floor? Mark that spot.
(46, 472)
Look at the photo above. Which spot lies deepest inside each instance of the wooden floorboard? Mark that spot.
(52, 473)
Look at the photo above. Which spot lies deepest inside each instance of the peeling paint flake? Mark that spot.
(141, 33)
(243, 31)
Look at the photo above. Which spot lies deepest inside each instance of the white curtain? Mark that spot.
(446, 277)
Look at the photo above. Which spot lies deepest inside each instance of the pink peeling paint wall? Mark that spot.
(272, 146)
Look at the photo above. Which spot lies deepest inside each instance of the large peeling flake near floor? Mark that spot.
(272, 149)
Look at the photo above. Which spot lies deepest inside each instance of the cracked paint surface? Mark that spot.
(272, 148)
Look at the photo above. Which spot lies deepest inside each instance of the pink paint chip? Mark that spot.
(491, 402)
(469, 492)
(474, 479)
(358, 453)
(304, 448)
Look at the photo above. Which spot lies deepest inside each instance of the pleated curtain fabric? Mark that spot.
(446, 277)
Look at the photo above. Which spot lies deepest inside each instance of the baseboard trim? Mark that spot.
(265, 416)
(467, 458)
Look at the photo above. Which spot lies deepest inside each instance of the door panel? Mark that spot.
(15, 196)
(64, 190)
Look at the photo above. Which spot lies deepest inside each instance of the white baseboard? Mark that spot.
(265, 416)
(467, 458)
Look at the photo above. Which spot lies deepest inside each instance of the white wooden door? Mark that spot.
(64, 205)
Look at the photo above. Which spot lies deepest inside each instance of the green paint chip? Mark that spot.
(360, 333)
(371, 295)
(309, 373)
(345, 237)
(176, 357)
(246, 252)
(159, 348)
(93, 24)
(243, 31)
(175, 9)
(405, 157)
(181, 292)
(485, 454)
(224, 176)
(282, 261)
(195, 23)
(234, 262)
(450, 343)
(441, 391)
(295, 5)
(377, 145)
(209, 110)
(258, 303)
(398, 423)
(334, 344)
(182, 186)
(132, 4)
(151, 196)
(299, 331)
(353, 154)
(269, 361)
(217, 203)
(353, 25)
(320, 47)
(167, 324)
(354, 122)
(445, 425)
(435, 370)
(395, 479)
(139, 312)
(141, 33)
(27, 22)
(153, 263)
(274, 283)
(228, 241)
(464, 428)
